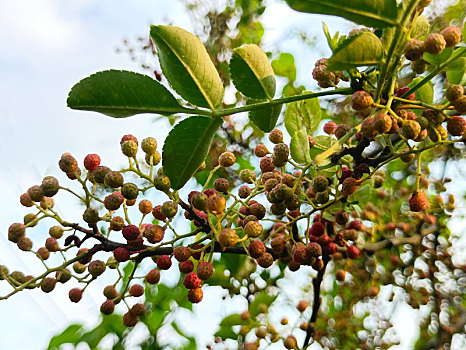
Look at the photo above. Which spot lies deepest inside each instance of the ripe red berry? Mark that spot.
(352, 252)
(355, 225)
(153, 276)
(121, 254)
(261, 151)
(401, 91)
(136, 290)
(92, 161)
(317, 229)
(191, 281)
(456, 125)
(330, 127)
(164, 262)
(129, 137)
(138, 309)
(75, 295)
(256, 248)
(186, 266)
(131, 232)
(130, 320)
(107, 307)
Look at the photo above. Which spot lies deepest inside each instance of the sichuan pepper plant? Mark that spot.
(334, 202)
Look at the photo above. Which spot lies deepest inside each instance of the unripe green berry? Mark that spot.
(155, 158)
(30, 220)
(63, 276)
(320, 183)
(49, 186)
(130, 191)
(253, 229)
(129, 148)
(454, 92)
(410, 129)
(228, 237)
(169, 209)
(91, 216)
(149, 145)
(99, 173)
(79, 268)
(3, 272)
(247, 175)
(114, 179)
(162, 183)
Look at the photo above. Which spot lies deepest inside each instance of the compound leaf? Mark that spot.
(265, 118)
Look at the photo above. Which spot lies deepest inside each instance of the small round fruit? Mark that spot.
(434, 43)
(75, 295)
(226, 159)
(136, 290)
(361, 100)
(452, 36)
(418, 201)
(195, 295)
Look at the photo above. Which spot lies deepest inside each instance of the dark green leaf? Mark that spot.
(71, 335)
(252, 72)
(299, 147)
(187, 66)
(265, 118)
(186, 147)
(122, 94)
(371, 13)
(360, 49)
(284, 66)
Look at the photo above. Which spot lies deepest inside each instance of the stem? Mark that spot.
(458, 53)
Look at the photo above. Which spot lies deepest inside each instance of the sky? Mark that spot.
(46, 47)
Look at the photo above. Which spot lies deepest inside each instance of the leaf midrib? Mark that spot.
(257, 76)
(191, 74)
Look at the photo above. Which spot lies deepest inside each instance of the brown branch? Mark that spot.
(316, 283)
(390, 242)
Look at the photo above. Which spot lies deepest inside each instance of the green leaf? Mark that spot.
(284, 66)
(187, 66)
(457, 64)
(265, 118)
(186, 147)
(425, 93)
(360, 49)
(299, 147)
(371, 13)
(437, 60)
(71, 335)
(421, 27)
(261, 298)
(301, 114)
(122, 94)
(233, 320)
(387, 37)
(226, 333)
(252, 72)
(457, 76)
